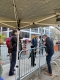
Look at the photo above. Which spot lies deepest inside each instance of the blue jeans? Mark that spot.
(48, 60)
(12, 65)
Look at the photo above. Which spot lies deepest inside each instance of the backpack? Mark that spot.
(8, 42)
(9, 45)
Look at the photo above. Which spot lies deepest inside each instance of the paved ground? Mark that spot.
(25, 67)
(43, 76)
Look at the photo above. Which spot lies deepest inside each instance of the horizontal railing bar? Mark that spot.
(31, 49)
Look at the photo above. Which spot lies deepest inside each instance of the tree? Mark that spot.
(2, 37)
(1, 42)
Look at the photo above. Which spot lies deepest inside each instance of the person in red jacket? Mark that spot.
(13, 48)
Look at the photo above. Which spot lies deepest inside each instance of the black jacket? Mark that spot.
(14, 42)
(49, 46)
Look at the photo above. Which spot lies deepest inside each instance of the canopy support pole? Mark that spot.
(46, 24)
(7, 25)
(17, 66)
(18, 30)
(46, 18)
(15, 11)
(40, 49)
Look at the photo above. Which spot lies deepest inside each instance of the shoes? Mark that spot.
(33, 65)
(47, 73)
(11, 74)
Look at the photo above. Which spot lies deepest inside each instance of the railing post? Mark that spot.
(0, 63)
(19, 65)
(39, 61)
(40, 50)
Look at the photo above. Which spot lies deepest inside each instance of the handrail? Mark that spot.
(31, 49)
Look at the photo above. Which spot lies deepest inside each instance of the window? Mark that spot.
(26, 29)
(46, 32)
(39, 30)
(10, 33)
(24, 34)
(34, 30)
(42, 30)
(47, 28)
(0, 29)
(4, 29)
(4, 33)
(10, 29)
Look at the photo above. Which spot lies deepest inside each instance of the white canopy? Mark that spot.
(32, 13)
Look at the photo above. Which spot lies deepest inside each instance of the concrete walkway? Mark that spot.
(25, 66)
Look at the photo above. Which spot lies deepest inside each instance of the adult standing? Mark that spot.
(49, 53)
(34, 43)
(13, 47)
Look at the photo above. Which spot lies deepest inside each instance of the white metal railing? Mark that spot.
(4, 53)
(25, 67)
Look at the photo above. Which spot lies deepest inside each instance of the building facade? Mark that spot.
(26, 33)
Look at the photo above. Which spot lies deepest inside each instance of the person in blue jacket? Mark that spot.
(34, 43)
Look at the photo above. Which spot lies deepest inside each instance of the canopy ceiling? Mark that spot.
(32, 13)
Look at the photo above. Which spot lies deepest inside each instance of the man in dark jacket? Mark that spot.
(13, 46)
(49, 52)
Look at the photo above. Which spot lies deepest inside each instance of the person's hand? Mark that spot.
(44, 43)
(46, 54)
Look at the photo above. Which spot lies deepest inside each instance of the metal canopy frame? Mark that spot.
(31, 8)
(29, 12)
